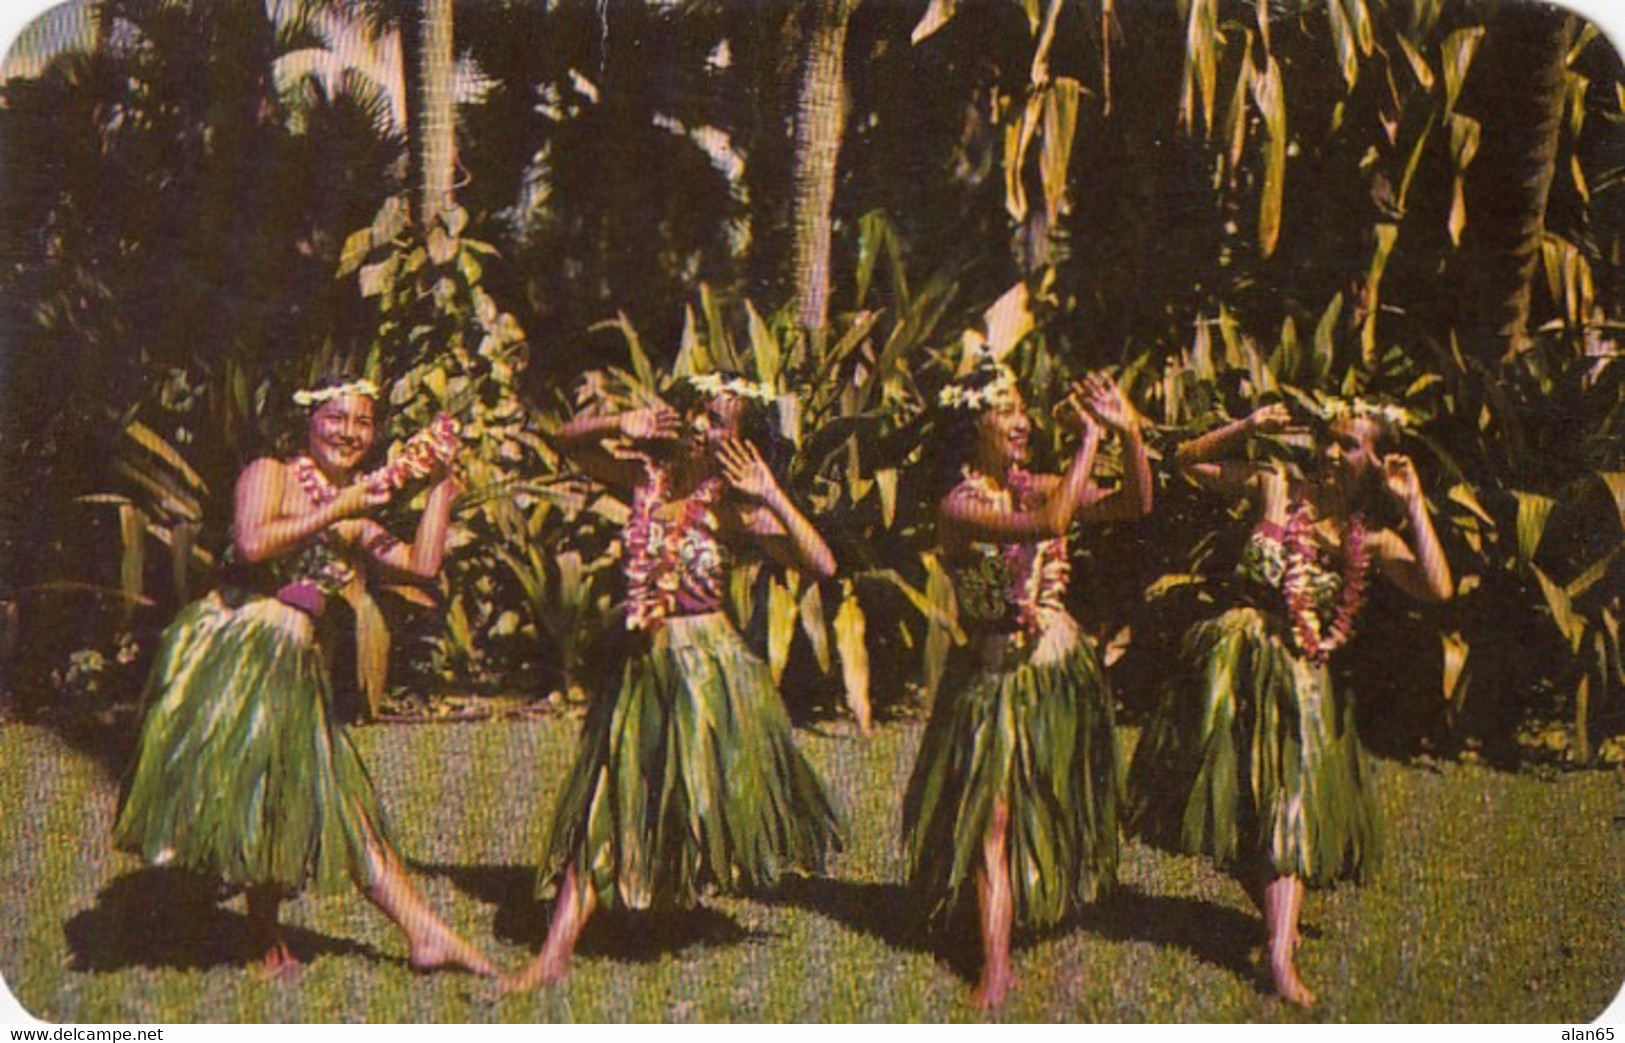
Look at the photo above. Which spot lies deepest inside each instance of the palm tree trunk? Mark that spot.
(1516, 87)
(429, 63)
(819, 121)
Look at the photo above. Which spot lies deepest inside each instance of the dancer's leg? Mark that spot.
(570, 912)
(431, 942)
(1283, 900)
(996, 911)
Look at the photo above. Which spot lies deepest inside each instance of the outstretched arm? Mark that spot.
(1208, 459)
(780, 528)
(1418, 568)
(263, 525)
(582, 440)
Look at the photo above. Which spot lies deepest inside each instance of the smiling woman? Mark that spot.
(341, 432)
(1015, 788)
(241, 771)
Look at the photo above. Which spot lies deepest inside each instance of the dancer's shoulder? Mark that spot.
(263, 473)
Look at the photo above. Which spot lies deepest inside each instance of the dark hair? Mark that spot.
(956, 429)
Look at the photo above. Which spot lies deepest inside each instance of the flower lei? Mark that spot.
(713, 384)
(362, 387)
(318, 490)
(653, 579)
(1002, 391)
(1315, 638)
(436, 444)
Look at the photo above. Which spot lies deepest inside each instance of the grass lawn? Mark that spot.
(1499, 900)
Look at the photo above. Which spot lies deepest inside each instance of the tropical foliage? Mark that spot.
(1224, 203)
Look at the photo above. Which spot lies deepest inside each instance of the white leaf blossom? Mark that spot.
(1001, 392)
(362, 387)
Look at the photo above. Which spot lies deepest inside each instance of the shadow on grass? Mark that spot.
(520, 918)
(1214, 934)
(617, 934)
(172, 918)
(887, 913)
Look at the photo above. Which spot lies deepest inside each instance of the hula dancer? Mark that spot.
(242, 771)
(1253, 758)
(1015, 788)
(687, 778)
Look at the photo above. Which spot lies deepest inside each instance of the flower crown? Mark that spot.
(1000, 392)
(714, 384)
(363, 387)
(1360, 409)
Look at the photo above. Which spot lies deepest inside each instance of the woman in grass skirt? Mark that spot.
(242, 772)
(1253, 758)
(1015, 787)
(687, 778)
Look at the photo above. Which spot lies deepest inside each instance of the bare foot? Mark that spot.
(570, 913)
(545, 969)
(993, 988)
(1283, 901)
(1288, 985)
(430, 942)
(442, 948)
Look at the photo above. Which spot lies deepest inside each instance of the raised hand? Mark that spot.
(1399, 478)
(1270, 419)
(1071, 414)
(362, 496)
(644, 424)
(745, 470)
(1102, 398)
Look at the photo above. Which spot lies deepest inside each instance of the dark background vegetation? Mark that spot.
(204, 205)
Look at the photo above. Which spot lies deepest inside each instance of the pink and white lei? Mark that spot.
(434, 445)
(1316, 637)
(653, 577)
(317, 489)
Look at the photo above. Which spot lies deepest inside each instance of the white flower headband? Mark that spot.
(714, 384)
(1360, 409)
(1002, 391)
(363, 387)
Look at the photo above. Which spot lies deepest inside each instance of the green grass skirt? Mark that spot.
(687, 780)
(1253, 748)
(1038, 732)
(241, 771)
